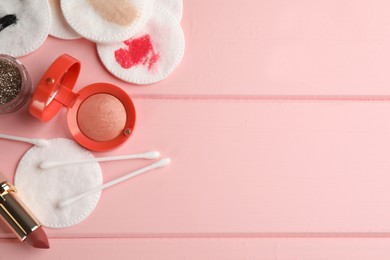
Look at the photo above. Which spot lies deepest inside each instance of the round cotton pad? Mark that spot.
(106, 21)
(24, 26)
(42, 189)
(59, 26)
(175, 7)
(151, 55)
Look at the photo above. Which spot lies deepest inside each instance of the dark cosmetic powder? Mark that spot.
(10, 81)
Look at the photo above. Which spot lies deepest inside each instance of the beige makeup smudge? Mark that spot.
(120, 12)
(101, 117)
(55, 5)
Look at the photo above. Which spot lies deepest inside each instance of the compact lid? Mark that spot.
(54, 90)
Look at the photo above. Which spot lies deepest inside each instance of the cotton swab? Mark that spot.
(158, 164)
(52, 164)
(35, 141)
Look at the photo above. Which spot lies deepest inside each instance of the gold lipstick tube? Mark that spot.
(18, 218)
(14, 213)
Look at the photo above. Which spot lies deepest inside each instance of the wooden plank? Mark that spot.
(240, 168)
(226, 249)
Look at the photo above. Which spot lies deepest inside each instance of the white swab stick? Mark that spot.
(52, 164)
(158, 164)
(35, 141)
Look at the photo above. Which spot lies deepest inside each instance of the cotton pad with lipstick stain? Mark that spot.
(59, 27)
(101, 116)
(24, 26)
(43, 189)
(106, 21)
(151, 55)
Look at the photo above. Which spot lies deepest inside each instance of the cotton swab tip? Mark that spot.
(162, 163)
(45, 165)
(41, 142)
(63, 204)
(151, 155)
(35, 141)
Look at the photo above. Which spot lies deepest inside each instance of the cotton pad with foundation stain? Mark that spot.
(104, 21)
(151, 55)
(43, 189)
(59, 27)
(24, 26)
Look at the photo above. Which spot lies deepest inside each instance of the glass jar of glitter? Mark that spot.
(15, 84)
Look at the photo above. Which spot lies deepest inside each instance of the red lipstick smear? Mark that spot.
(139, 51)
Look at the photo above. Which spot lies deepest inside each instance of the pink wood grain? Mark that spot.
(253, 175)
(202, 249)
(242, 169)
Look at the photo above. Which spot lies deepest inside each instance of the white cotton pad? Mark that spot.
(151, 55)
(24, 26)
(42, 189)
(59, 27)
(175, 7)
(105, 21)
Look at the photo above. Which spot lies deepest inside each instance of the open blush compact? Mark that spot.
(101, 116)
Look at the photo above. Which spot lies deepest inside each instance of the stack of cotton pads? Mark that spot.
(150, 55)
(138, 41)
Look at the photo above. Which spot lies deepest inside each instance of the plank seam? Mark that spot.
(292, 235)
(329, 98)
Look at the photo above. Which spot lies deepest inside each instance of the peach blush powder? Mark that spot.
(101, 117)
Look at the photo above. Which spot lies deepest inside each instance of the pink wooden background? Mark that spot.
(277, 123)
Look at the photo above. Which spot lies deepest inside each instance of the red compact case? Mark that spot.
(101, 116)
